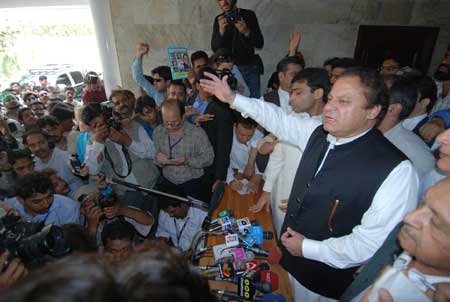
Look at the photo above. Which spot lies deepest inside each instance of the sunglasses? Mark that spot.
(157, 80)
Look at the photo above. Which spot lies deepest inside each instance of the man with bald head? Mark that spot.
(424, 234)
(182, 151)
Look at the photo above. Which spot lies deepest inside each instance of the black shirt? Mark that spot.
(241, 46)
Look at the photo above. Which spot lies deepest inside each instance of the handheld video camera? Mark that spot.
(113, 119)
(32, 242)
(232, 16)
(232, 81)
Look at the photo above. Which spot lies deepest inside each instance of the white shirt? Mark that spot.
(411, 123)
(284, 100)
(144, 148)
(59, 161)
(413, 147)
(395, 197)
(185, 228)
(442, 102)
(240, 153)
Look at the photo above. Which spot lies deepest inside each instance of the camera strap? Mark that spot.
(127, 158)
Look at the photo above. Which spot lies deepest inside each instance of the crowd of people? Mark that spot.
(352, 163)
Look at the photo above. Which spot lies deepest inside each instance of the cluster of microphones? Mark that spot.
(235, 260)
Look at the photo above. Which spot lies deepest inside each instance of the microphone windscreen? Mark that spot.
(264, 287)
(264, 266)
(249, 255)
(270, 277)
(240, 265)
(274, 255)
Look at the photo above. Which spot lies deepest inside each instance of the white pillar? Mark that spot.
(101, 14)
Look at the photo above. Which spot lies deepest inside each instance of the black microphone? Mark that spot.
(257, 251)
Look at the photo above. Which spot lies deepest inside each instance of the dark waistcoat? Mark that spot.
(333, 202)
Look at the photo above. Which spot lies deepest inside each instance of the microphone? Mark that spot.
(257, 251)
(271, 278)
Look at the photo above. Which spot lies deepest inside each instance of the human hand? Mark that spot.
(283, 206)
(142, 49)
(162, 158)
(177, 161)
(189, 111)
(430, 130)
(119, 137)
(15, 271)
(267, 148)
(222, 24)
(442, 293)
(203, 118)
(101, 132)
(236, 185)
(114, 210)
(294, 42)
(218, 87)
(263, 201)
(249, 170)
(93, 215)
(242, 26)
(293, 241)
(253, 184)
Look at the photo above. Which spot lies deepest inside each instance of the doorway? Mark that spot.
(413, 46)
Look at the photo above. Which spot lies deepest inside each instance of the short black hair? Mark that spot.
(62, 112)
(33, 183)
(404, 92)
(143, 102)
(247, 123)
(201, 72)
(344, 63)
(15, 155)
(47, 120)
(90, 112)
(21, 111)
(199, 54)
(118, 230)
(14, 83)
(69, 88)
(28, 94)
(330, 61)
(78, 238)
(164, 72)
(315, 78)
(42, 77)
(33, 131)
(282, 66)
(178, 83)
(164, 201)
(426, 87)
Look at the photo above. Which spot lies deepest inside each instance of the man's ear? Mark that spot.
(372, 113)
(280, 76)
(318, 94)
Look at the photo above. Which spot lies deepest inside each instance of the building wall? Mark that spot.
(329, 27)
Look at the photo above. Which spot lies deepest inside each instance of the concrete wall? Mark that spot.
(329, 27)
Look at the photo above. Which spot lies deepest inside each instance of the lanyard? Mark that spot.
(181, 231)
(171, 146)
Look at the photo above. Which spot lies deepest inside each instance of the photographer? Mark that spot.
(119, 146)
(35, 201)
(223, 63)
(237, 30)
(100, 210)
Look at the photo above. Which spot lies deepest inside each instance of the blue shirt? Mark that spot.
(138, 76)
(81, 145)
(63, 210)
(200, 105)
